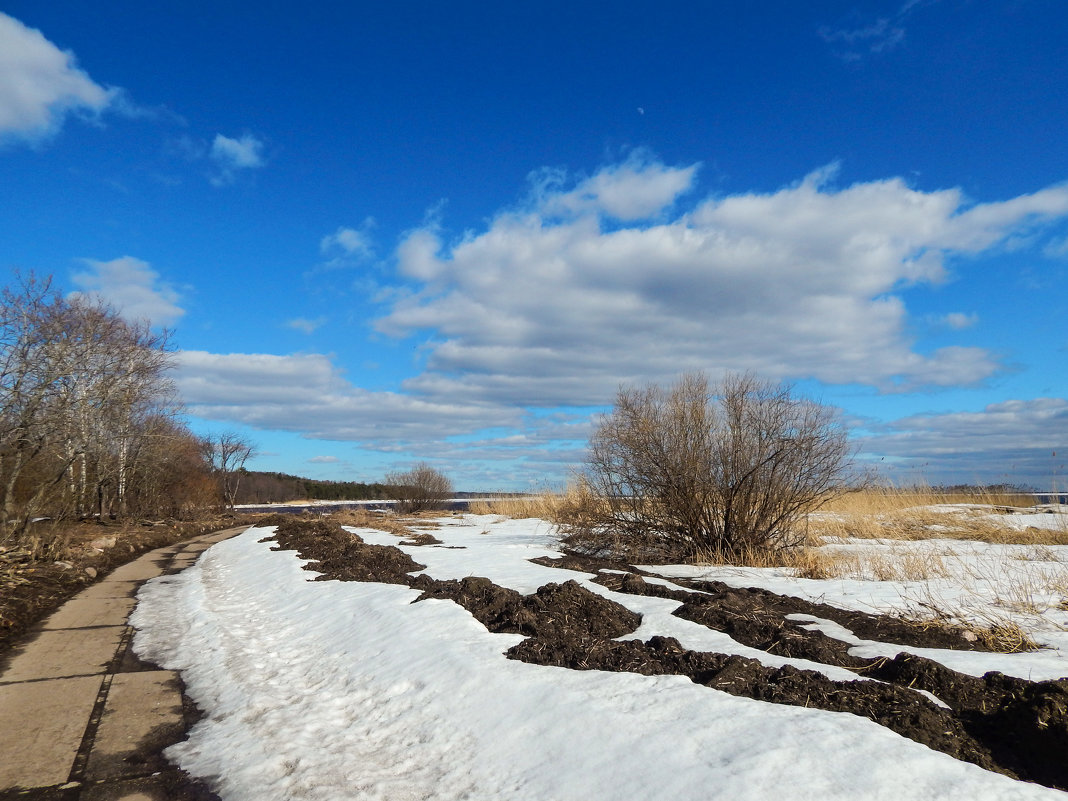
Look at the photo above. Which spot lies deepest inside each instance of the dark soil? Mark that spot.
(32, 588)
(1003, 724)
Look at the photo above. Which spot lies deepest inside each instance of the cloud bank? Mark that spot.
(556, 303)
(530, 324)
(1015, 441)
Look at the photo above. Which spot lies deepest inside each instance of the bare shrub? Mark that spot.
(722, 471)
(419, 489)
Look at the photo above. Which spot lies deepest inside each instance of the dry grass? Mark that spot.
(51, 543)
(905, 565)
(517, 507)
(907, 515)
(829, 563)
(562, 508)
(360, 517)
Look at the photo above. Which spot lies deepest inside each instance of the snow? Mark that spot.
(347, 690)
(986, 583)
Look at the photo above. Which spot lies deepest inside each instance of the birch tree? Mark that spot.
(78, 387)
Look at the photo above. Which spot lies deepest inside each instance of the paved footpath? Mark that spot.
(81, 717)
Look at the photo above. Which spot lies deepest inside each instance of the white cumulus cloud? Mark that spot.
(958, 321)
(634, 190)
(133, 287)
(348, 245)
(539, 309)
(40, 84)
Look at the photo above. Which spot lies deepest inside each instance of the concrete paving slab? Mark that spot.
(136, 792)
(171, 785)
(50, 684)
(112, 589)
(81, 612)
(142, 716)
(41, 729)
(141, 569)
(63, 653)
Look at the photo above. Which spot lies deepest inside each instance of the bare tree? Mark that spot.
(168, 473)
(421, 488)
(227, 454)
(77, 385)
(720, 471)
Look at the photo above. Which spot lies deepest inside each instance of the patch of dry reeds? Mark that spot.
(922, 515)
(830, 563)
(571, 507)
(361, 517)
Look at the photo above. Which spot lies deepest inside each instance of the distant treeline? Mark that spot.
(261, 487)
(981, 489)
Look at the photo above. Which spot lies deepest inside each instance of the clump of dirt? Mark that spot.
(342, 555)
(565, 611)
(1008, 725)
(1024, 723)
(757, 617)
(421, 538)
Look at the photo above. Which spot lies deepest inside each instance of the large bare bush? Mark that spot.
(717, 471)
(419, 489)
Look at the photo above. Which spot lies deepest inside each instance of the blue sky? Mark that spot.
(384, 233)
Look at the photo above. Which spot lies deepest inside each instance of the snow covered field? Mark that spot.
(347, 690)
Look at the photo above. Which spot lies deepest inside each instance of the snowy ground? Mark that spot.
(347, 690)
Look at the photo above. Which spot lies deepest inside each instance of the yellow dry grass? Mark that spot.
(568, 506)
(360, 517)
(907, 515)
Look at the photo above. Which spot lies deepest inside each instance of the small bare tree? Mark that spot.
(421, 488)
(227, 453)
(721, 471)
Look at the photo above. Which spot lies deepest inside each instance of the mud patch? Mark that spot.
(1007, 725)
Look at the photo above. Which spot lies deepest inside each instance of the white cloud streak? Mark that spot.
(348, 241)
(132, 287)
(232, 155)
(307, 394)
(41, 84)
(634, 190)
(880, 35)
(305, 325)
